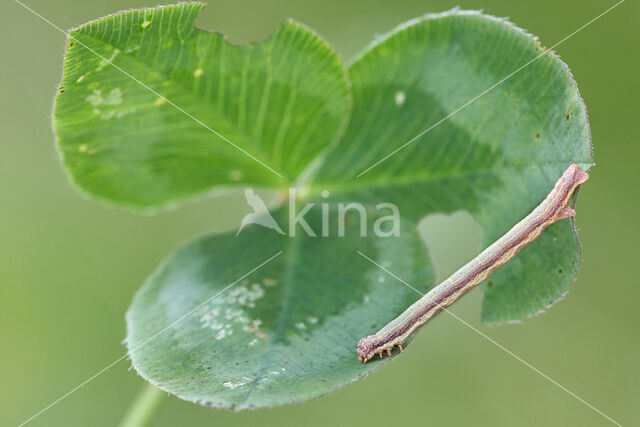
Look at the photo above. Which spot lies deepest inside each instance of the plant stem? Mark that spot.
(144, 407)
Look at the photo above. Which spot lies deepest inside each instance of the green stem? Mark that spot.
(143, 409)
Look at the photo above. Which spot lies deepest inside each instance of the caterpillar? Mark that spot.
(553, 208)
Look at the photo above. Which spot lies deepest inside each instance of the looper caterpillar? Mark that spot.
(553, 208)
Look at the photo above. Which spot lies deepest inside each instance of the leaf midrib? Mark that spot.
(315, 189)
(291, 254)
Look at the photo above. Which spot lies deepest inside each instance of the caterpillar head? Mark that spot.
(366, 348)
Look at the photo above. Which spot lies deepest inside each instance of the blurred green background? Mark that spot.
(69, 267)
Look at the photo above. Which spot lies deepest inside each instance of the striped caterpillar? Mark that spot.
(553, 208)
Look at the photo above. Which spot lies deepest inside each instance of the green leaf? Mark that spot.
(456, 111)
(285, 333)
(496, 157)
(140, 132)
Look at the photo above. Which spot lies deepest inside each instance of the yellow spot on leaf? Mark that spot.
(268, 282)
(235, 175)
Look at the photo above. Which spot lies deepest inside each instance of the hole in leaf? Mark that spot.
(452, 240)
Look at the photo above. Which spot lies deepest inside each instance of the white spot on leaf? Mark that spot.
(400, 98)
(95, 98)
(224, 333)
(198, 72)
(114, 97)
(237, 383)
(222, 314)
(109, 60)
(132, 48)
